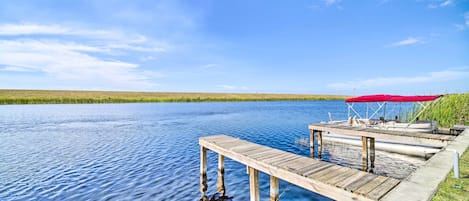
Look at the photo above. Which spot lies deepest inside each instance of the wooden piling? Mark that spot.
(372, 153)
(273, 188)
(203, 173)
(311, 142)
(364, 153)
(254, 184)
(320, 144)
(221, 175)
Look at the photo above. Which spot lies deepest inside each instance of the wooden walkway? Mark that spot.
(428, 139)
(330, 180)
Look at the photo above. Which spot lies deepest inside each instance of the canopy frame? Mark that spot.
(382, 99)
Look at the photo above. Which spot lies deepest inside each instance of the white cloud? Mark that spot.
(331, 2)
(209, 66)
(439, 3)
(320, 4)
(466, 18)
(16, 69)
(89, 61)
(112, 39)
(232, 87)
(439, 76)
(407, 41)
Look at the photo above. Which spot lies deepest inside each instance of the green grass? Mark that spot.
(451, 110)
(66, 96)
(455, 189)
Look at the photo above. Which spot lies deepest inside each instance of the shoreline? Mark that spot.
(12, 97)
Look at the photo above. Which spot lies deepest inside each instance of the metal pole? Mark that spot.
(456, 164)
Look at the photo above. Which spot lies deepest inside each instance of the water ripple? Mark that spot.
(150, 151)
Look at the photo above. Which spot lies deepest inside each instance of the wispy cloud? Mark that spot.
(318, 4)
(331, 2)
(465, 24)
(440, 4)
(232, 87)
(209, 66)
(439, 76)
(25, 50)
(406, 42)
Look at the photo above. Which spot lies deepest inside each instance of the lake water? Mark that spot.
(150, 151)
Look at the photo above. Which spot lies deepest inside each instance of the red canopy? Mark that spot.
(391, 98)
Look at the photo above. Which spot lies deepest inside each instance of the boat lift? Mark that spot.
(382, 99)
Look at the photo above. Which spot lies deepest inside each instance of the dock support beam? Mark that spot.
(311, 143)
(221, 175)
(364, 153)
(254, 184)
(273, 188)
(320, 144)
(203, 173)
(372, 154)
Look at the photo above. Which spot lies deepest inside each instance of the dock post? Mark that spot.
(311, 142)
(203, 173)
(254, 184)
(273, 188)
(319, 144)
(372, 153)
(221, 175)
(364, 153)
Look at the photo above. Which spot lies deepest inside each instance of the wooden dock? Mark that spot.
(330, 180)
(368, 136)
(428, 139)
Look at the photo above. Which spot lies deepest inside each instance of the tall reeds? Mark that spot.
(452, 109)
(64, 96)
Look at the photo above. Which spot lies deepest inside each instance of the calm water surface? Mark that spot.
(150, 151)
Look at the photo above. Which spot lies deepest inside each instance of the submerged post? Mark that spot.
(311, 143)
(320, 144)
(221, 175)
(254, 184)
(372, 153)
(364, 153)
(203, 173)
(273, 188)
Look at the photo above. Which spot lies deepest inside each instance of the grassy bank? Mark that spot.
(453, 109)
(65, 96)
(455, 189)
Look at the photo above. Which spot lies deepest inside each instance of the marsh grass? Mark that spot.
(65, 96)
(450, 110)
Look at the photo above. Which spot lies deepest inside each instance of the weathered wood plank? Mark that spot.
(323, 172)
(360, 182)
(368, 187)
(341, 177)
(326, 177)
(351, 179)
(382, 189)
(317, 169)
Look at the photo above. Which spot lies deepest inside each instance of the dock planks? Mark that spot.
(334, 181)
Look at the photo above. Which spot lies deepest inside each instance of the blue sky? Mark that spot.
(319, 47)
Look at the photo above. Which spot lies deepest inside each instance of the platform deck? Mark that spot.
(333, 181)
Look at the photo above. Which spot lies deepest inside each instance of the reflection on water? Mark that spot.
(150, 151)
